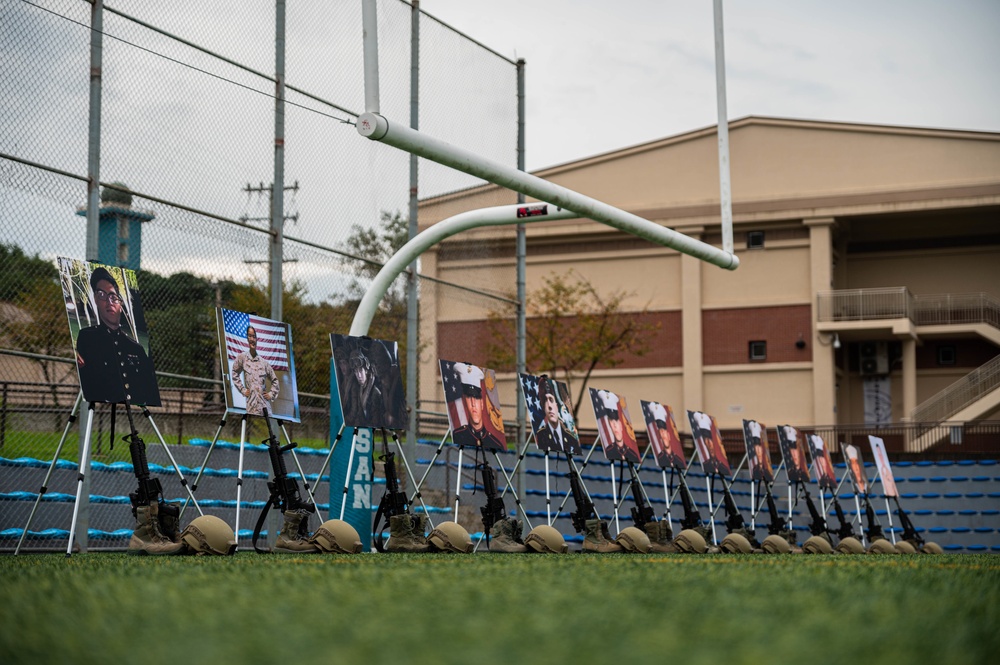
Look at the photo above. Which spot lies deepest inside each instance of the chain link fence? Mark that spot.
(187, 124)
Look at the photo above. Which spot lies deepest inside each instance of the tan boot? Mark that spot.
(291, 539)
(597, 539)
(170, 521)
(505, 536)
(147, 538)
(660, 537)
(407, 533)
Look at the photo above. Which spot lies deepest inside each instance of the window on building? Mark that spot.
(755, 240)
(758, 351)
(946, 354)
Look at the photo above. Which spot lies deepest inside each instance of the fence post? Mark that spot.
(180, 418)
(3, 416)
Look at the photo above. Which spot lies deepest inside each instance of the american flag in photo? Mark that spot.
(452, 383)
(272, 340)
(529, 384)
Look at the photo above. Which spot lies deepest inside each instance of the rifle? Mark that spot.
(845, 529)
(584, 506)
(774, 528)
(149, 489)
(692, 518)
(393, 502)
(734, 520)
(817, 526)
(284, 491)
(909, 532)
(494, 510)
(874, 530)
(642, 513)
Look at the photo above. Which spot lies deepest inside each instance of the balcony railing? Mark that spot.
(899, 303)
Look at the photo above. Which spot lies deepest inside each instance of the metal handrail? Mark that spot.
(960, 394)
(899, 303)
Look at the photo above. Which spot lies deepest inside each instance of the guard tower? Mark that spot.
(120, 228)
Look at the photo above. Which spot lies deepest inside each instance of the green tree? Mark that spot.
(572, 329)
(21, 272)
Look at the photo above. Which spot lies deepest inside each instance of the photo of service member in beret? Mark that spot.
(473, 406)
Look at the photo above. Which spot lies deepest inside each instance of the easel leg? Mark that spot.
(517, 499)
(48, 474)
(458, 482)
(295, 458)
(347, 477)
(711, 511)
(84, 457)
(614, 493)
(430, 465)
(173, 462)
(585, 461)
(548, 499)
(409, 474)
(239, 474)
(204, 464)
(326, 462)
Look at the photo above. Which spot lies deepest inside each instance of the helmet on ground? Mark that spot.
(881, 546)
(775, 544)
(691, 542)
(817, 545)
(850, 545)
(905, 547)
(337, 537)
(208, 534)
(546, 539)
(451, 537)
(736, 543)
(633, 539)
(931, 548)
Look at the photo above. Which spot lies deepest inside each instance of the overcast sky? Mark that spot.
(603, 75)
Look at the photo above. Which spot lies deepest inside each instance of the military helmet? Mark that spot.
(691, 542)
(208, 534)
(817, 545)
(881, 546)
(546, 539)
(775, 544)
(850, 545)
(931, 548)
(633, 539)
(450, 537)
(905, 547)
(736, 543)
(337, 537)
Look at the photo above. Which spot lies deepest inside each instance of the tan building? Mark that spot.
(869, 277)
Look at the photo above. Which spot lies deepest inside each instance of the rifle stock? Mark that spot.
(494, 510)
(584, 506)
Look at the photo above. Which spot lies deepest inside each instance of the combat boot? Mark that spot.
(170, 521)
(505, 536)
(597, 539)
(291, 539)
(407, 534)
(660, 537)
(147, 538)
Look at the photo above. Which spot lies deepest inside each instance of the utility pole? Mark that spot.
(274, 280)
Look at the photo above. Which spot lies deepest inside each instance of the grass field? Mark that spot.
(496, 608)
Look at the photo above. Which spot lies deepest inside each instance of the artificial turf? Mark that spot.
(499, 608)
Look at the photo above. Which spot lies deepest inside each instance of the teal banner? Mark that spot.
(350, 470)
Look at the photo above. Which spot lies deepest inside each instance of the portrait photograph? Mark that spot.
(473, 406)
(663, 435)
(826, 478)
(552, 424)
(708, 444)
(856, 467)
(793, 454)
(109, 334)
(758, 453)
(370, 382)
(258, 365)
(882, 464)
(614, 426)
